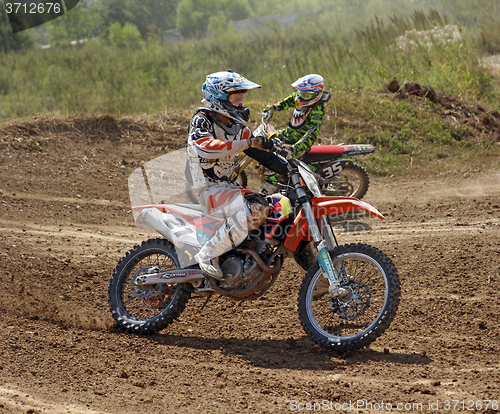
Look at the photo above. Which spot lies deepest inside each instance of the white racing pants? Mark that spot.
(242, 211)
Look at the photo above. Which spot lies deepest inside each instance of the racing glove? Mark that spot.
(261, 143)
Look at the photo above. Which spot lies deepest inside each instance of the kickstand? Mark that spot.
(205, 303)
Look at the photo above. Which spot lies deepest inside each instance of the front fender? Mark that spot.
(332, 205)
(325, 206)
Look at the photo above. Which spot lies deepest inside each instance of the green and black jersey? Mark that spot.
(303, 129)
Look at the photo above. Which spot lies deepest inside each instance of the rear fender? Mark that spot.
(171, 222)
(325, 206)
(156, 220)
(350, 150)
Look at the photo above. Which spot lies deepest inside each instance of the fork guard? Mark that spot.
(325, 206)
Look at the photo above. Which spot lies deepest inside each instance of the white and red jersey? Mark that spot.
(212, 150)
(211, 156)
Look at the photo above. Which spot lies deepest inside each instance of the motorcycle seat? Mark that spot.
(196, 207)
(323, 153)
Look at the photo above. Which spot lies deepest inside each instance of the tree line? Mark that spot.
(128, 21)
(133, 22)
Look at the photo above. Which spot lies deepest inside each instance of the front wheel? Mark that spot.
(373, 284)
(352, 181)
(146, 309)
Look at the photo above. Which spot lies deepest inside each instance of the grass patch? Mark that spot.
(411, 135)
(97, 77)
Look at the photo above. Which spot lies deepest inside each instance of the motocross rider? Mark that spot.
(217, 132)
(302, 132)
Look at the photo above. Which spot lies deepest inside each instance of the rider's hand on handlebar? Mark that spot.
(281, 149)
(268, 112)
(261, 143)
(267, 144)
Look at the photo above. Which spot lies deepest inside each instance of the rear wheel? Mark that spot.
(352, 181)
(146, 309)
(374, 293)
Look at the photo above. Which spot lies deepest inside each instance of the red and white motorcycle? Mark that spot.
(349, 294)
(342, 176)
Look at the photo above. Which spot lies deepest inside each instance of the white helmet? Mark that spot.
(309, 89)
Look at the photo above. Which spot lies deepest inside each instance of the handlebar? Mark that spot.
(278, 145)
(267, 116)
(280, 149)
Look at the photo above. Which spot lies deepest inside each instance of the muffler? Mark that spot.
(171, 277)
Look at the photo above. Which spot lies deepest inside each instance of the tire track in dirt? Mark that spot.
(18, 402)
(70, 200)
(58, 343)
(108, 234)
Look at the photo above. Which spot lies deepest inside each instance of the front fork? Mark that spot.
(324, 259)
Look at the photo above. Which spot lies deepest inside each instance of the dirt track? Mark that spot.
(64, 225)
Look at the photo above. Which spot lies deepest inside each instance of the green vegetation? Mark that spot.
(128, 75)
(411, 135)
(10, 41)
(195, 17)
(127, 70)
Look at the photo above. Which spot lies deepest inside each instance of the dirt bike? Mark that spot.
(343, 176)
(348, 296)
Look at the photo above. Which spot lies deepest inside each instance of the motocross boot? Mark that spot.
(210, 267)
(223, 240)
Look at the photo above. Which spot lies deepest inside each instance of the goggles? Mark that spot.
(307, 95)
(236, 99)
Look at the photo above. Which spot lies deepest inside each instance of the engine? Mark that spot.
(239, 270)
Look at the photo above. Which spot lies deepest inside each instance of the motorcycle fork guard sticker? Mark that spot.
(326, 264)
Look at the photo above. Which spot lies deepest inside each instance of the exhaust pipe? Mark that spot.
(196, 275)
(260, 262)
(171, 277)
